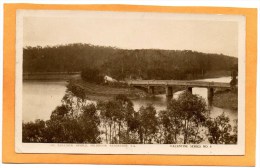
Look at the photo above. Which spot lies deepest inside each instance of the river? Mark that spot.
(40, 98)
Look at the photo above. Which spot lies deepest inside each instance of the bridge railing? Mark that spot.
(178, 83)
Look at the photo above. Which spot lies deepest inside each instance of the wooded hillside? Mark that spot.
(124, 63)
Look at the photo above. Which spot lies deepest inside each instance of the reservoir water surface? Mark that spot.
(40, 98)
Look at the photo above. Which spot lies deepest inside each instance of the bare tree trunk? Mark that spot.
(145, 136)
(114, 134)
(110, 125)
(119, 125)
(175, 137)
(141, 136)
(185, 133)
(127, 132)
(106, 133)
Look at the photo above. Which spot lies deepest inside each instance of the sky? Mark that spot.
(203, 33)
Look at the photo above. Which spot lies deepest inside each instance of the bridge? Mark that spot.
(168, 84)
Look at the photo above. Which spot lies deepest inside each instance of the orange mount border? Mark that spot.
(9, 155)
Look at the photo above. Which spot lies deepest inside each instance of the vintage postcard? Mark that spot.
(130, 83)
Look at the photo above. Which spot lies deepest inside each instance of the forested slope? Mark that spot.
(124, 63)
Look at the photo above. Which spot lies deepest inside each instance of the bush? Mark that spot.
(91, 75)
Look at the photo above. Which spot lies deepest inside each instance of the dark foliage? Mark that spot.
(220, 130)
(64, 126)
(234, 73)
(34, 131)
(77, 91)
(148, 124)
(122, 63)
(92, 75)
(184, 116)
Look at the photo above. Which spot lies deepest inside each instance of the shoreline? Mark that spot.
(104, 92)
(51, 76)
(226, 99)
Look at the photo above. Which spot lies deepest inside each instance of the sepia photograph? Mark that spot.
(104, 82)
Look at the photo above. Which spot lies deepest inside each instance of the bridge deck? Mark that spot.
(178, 83)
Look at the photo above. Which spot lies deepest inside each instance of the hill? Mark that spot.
(126, 63)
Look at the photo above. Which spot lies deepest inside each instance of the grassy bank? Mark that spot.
(105, 92)
(225, 99)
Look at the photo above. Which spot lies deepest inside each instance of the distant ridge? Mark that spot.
(125, 63)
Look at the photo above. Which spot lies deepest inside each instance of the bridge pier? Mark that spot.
(189, 90)
(169, 93)
(151, 90)
(210, 96)
(144, 84)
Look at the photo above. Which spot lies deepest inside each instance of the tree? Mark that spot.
(89, 122)
(34, 131)
(147, 124)
(71, 122)
(234, 73)
(74, 99)
(63, 127)
(170, 126)
(117, 118)
(220, 129)
(125, 115)
(109, 112)
(188, 114)
(233, 137)
(91, 75)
